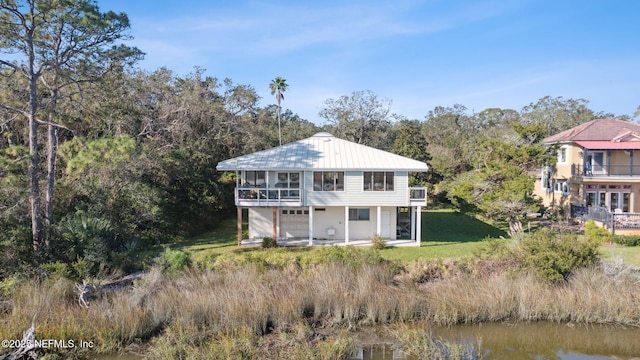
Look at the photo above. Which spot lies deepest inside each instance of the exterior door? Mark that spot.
(620, 200)
(385, 225)
(616, 201)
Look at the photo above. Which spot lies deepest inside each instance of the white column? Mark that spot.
(346, 224)
(379, 221)
(412, 215)
(419, 225)
(310, 225)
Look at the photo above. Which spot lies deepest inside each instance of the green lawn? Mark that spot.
(613, 252)
(445, 234)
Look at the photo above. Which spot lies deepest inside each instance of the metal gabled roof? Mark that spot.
(322, 151)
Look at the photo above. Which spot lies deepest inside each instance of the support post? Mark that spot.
(239, 226)
(379, 221)
(346, 224)
(412, 215)
(418, 225)
(310, 225)
(275, 224)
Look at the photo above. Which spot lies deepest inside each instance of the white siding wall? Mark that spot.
(358, 230)
(323, 220)
(354, 195)
(260, 223)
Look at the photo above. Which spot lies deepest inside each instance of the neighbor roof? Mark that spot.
(322, 151)
(609, 145)
(597, 130)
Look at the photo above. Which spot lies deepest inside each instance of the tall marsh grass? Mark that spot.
(248, 310)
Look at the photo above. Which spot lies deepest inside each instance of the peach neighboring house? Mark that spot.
(597, 172)
(324, 190)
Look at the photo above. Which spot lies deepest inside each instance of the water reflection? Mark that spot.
(379, 352)
(550, 341)
(506, 341)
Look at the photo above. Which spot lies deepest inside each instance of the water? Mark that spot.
(506, 341)
(542, 340)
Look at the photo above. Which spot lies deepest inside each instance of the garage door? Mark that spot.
(294, 223)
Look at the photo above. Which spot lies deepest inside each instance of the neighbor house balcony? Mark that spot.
(598, 171)
(260, 196)
(418, 196)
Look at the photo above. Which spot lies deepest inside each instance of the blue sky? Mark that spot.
(418, 54)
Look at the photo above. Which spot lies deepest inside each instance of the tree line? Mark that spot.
(99, 159)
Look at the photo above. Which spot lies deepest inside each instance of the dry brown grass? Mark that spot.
(249, 309)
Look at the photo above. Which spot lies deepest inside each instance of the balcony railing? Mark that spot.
(610, 220)
(267, 196)
(605, 170)
(418, 196)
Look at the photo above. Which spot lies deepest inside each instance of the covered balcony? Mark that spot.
(257, 196)
(418, 196)
(605, 170)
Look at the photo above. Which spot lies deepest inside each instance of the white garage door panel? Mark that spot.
(294, 223)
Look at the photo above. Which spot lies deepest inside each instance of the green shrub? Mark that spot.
(378, 242)
(269, 242)
(627, 240)
(56, 270)
(350, 255)
(174, 261)
(554, 256)
(596, 233)
(8, 284)
(82, 268)
(90, 238)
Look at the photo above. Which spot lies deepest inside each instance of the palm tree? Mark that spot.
(278, 86)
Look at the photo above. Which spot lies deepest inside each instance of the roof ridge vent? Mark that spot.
(322, 134)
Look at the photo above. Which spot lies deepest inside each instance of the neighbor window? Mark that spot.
(378, 181)
(562, 155)
(546, 178)
(562, 187)
(359, 214)
(328, 181)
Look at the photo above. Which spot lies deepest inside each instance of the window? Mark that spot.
(288, 180)
(546, 178)
(378, 181)
(562, 155)
(254, 179)
(358, 214)
(328, 181)
(561, 187)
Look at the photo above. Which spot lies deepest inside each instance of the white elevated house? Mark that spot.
(323, 190)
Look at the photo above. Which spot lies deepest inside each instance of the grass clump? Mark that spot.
(378, 242)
